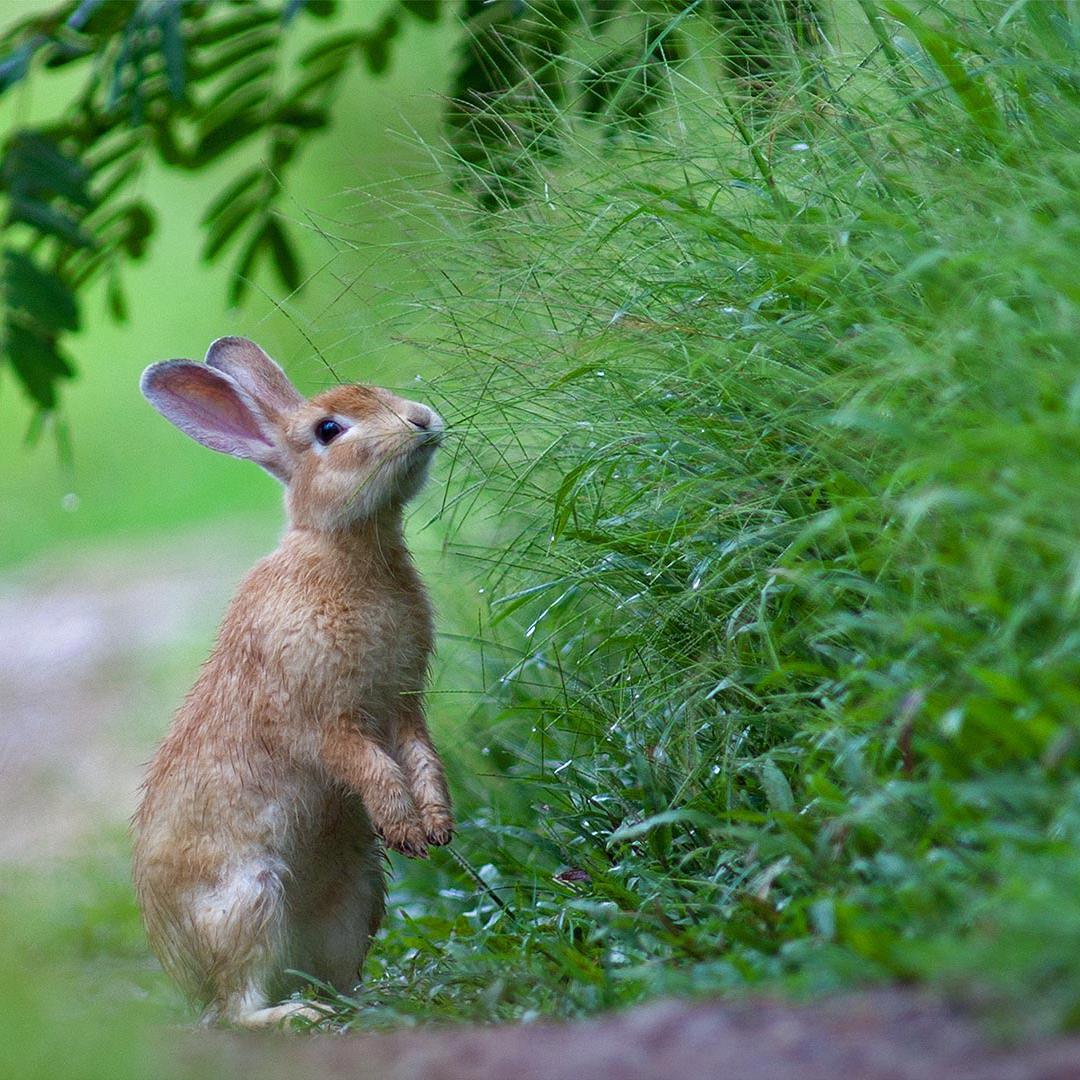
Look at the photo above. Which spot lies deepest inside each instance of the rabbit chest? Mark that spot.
(385, 645)
(355, 635)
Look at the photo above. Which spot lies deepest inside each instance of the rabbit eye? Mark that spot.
(326, 431)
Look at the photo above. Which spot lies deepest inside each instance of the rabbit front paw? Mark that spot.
(407, 837)
(438, 825)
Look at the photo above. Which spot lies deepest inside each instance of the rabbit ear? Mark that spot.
(245, 363)
(214, 411)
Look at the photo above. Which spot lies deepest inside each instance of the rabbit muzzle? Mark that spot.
(427, 424)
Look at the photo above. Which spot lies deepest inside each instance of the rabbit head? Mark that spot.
(347, 455)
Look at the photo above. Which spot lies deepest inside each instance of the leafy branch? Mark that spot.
(186, 83)
(191, 83)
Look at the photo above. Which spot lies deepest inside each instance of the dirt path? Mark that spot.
(883, 1035)
(95, 652)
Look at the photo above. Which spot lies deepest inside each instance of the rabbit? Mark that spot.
(303, 742)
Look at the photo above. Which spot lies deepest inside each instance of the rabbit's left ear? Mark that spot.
(246, 364)
(215, 411)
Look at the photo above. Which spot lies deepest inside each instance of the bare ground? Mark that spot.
(84, 644)
(94, 652)
(881, 1035)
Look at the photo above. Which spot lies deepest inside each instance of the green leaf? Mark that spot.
(564, 500)
(232, 26)
(225, 136)
(666, 817)
(140, 227)
(123, 144)
(172, 45)
(282, 151)
(169, 150)
(249, 44)
(426, 10)
(114, 297)
(50, 221)
(376, 55)
(241, 275)
(240, 186)
(248, 85)
(319, 9)
(227, 224)
(512, 601)
(304, 119)
(36, 361)
(319, 77)
(376, 45)
(35, 166)
(248, 103)
(336, 46)
(1000, 684)
(117, 89)
(777, 788)
(284, 255)
(530, 838)
(119, 180)
(13, 68)
(42, 295)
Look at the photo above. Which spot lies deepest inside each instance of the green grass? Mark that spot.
(778, 452)
(81, 996)
(766, 460)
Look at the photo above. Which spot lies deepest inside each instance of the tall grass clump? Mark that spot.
(767, 458)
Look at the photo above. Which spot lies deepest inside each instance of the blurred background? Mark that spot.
(119, 548)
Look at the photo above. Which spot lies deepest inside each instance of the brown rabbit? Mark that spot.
(304, 737)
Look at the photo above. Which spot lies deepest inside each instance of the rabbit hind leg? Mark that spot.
(332, 931)
(253, 1012)
(238, 933)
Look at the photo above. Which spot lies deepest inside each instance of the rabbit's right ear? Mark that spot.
(249, 366)
(215, 411)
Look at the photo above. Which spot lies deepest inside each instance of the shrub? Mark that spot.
(768, 460)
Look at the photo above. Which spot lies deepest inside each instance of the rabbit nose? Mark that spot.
(420, 417)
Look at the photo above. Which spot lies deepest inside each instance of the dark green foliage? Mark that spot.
(779, 449)
(192, 82)
(184, 82)
(612, 61)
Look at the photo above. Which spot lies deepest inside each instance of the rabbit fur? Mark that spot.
(303, 741)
